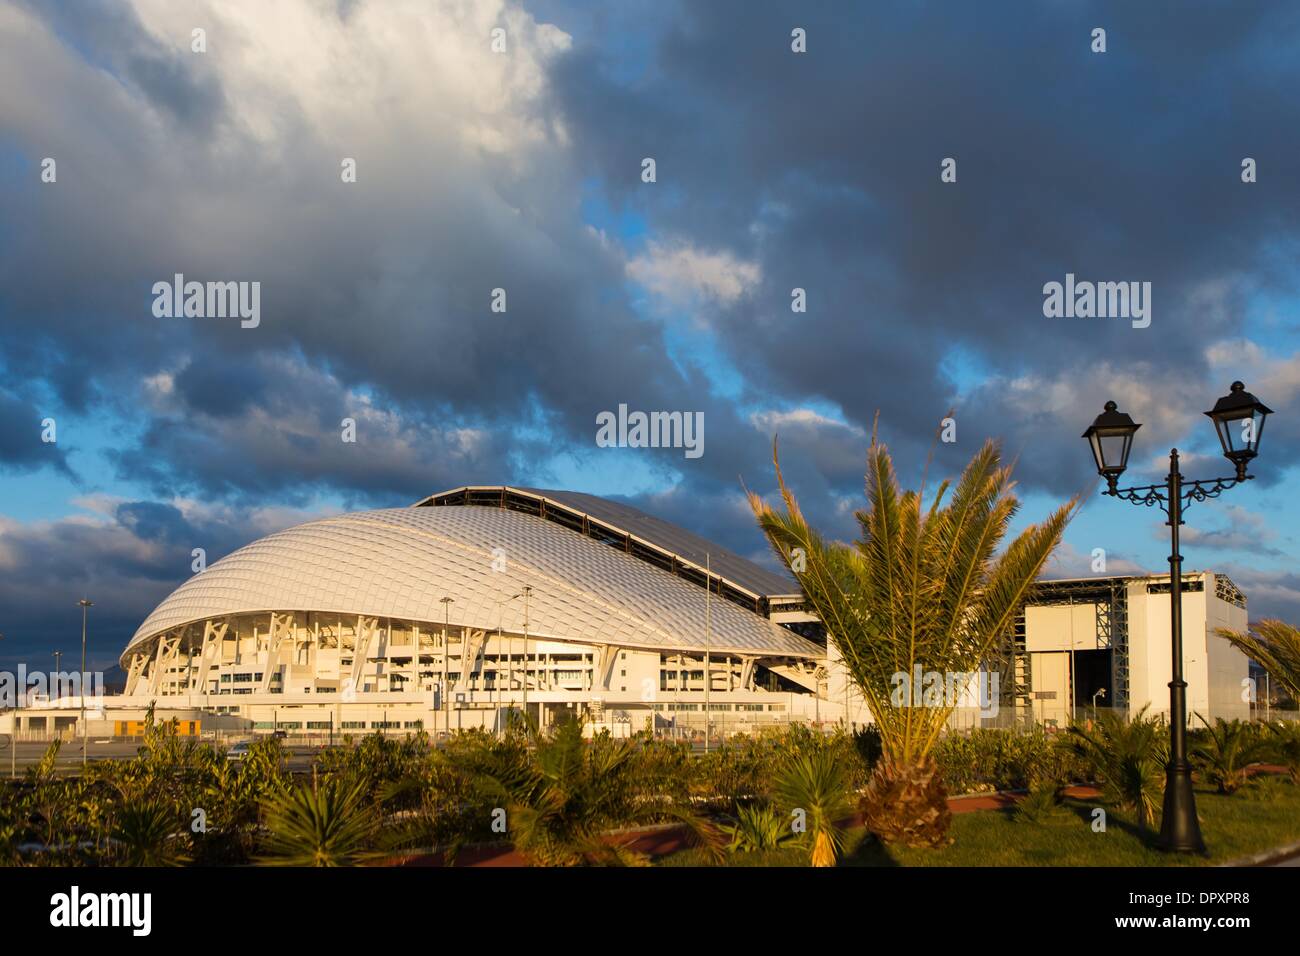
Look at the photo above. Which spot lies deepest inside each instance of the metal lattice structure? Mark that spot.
(398, 563)
(1109, 597)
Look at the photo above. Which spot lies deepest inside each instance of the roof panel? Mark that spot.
(400, 562)
(664, 535)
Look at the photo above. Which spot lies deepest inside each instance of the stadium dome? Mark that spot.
(488, 595)
(400, 563)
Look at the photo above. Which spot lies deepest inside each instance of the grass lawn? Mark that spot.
(1264, 816)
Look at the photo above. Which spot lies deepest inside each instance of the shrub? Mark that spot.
(985, 759)
(327, 824)
(759, 827)
(1224, 749)
(1129, 757)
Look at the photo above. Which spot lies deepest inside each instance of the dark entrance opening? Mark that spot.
(1092, 672)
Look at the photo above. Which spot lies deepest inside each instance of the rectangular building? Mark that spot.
(1106, 642)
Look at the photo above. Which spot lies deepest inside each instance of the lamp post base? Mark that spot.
(1180, 831)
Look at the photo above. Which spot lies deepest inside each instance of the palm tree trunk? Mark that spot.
(908, 804)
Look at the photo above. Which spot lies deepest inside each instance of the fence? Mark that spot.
(683, 726)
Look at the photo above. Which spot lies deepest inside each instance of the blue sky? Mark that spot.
(521, 170)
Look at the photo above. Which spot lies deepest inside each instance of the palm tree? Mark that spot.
(564, 795)
(815, 786)
(1129, 756)
(1284, 745)
(1275, 646)
(1225, 751)
(919, 588)
(147, 835)
(331, 824)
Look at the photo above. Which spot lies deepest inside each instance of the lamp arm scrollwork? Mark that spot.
(1158, 495)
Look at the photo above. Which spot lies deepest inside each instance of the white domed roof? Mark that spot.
(400, 562)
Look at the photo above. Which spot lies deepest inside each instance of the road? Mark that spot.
(29, 753)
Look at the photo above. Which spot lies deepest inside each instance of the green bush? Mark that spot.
(987, 759)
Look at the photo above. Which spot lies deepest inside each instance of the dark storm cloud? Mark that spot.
(21, 444)
(153, 521)
(290, 439)
(221, 386)
(111, 38)
(381, 286)
(824, 168)
(126, 561)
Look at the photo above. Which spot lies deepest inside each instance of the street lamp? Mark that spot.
(1111, 438)
(1239, 421)
(528, 594)
(447, 602)
(510, 666)
(85, 742)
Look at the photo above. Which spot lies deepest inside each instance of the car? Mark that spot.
(239, 751)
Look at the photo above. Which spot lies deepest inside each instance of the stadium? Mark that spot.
(475, 602)
(480, 602)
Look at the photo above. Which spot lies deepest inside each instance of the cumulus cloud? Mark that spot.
(1070, 562)
(478, 171)
(681, 273)
(1241, 530)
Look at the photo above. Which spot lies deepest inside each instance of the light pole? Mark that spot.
(446, 653)
(85, 740)
(496, 674)
(527, 593)
(708, 626)
(1239, 421)
(510, 666)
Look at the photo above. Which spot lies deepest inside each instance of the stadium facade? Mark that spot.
(476, 602)
(472, 603)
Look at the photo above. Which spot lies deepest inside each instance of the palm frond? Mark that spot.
(1275, 646)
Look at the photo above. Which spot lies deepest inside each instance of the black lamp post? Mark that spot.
(1239, 421)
